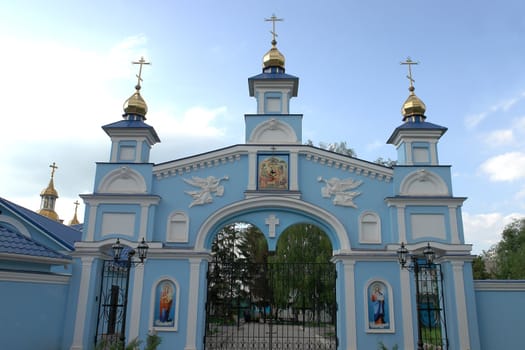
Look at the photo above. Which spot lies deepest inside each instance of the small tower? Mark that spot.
(273, 90)
(75, 221)
(132, 138)
(49, 196)
(415, 140)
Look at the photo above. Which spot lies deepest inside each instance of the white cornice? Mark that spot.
(499, 285)
(34, 259)
(32, 277)
(232, 154)
(425, 200)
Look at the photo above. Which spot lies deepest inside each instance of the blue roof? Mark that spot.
(63, 234)
(273, 76)
(132, 124)
(12, 242)
(419, 125)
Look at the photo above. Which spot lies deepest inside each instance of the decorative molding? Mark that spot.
(210, 185)
(271, 221)
(351, 167)
(123, 180)
(423, 183)
(340, 190)
(186, 167)
(273, 131)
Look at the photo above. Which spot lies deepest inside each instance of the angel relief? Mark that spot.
(340, 190)
(208, 186)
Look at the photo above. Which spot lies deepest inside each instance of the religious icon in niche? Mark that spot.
(378, 306)
(273, 172)
(164, 306)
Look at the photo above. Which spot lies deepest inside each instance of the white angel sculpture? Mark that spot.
(340, 189)
(208, 186)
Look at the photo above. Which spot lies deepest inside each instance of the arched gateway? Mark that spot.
(273, 181)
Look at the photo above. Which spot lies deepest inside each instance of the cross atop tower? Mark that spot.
(409, 63)
(53, 168)
(140, 62)
(273, 19)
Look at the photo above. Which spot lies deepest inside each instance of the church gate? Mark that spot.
(270, 306)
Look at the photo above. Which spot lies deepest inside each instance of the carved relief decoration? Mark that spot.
(340, 190)
(208, 186)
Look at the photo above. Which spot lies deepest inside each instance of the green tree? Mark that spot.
(337, 147)
(479, 269)
(510, 252)
(301, 272)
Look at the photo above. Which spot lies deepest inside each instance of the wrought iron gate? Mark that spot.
(270, 306)
(430, 302)
(112, 302)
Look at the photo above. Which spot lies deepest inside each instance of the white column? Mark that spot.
(191, 333)
(461, 304)
(349, 289)
(252, 171)
(401, 225)
(406, 310)
(80, 319)
(91, 222)
(294, 183)
(136, 301)
(453, 224)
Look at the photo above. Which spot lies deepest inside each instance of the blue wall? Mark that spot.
(500, 314)
(36, 315)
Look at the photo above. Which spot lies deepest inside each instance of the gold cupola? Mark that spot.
(48, 197)
(273, 58)
(135, 105)
(75, 221)
(413, 106)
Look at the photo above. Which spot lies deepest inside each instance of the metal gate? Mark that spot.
(431, 313)
(270, 306)
(111, 321)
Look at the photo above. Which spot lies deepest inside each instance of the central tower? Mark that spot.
(273, 89)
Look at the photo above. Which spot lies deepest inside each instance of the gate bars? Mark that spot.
(270, 306)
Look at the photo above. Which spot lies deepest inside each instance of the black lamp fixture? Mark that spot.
(403, 255)
(142, 250)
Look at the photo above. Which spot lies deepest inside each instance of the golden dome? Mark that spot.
(413, 105)
(49, 213)
(49, 190)
(136, 104)
(273, 58)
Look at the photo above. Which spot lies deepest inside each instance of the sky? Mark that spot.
(66, 71)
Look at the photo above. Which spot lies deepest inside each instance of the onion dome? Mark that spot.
(273, 58)
(136, 104)
(413, 106)
(48, 197)
(75, 221)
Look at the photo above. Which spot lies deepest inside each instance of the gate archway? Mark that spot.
(262, 300)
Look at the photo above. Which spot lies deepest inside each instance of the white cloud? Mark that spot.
(500, 137)
(65, 88)
(197, 121)
(484, 230)
(471, 121)
(505, 167)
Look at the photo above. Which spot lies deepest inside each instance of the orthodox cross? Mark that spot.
(140, 62)
(409, 63)
(76, 203)
(53, 168)
(273, 19)
(271, 221)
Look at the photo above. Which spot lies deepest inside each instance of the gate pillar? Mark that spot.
(347, 331)
(196, 303)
